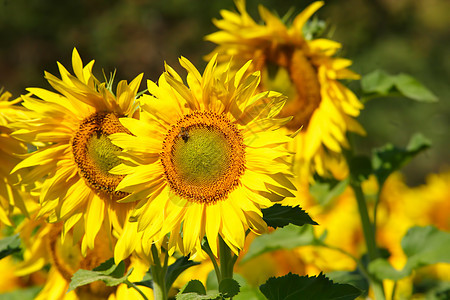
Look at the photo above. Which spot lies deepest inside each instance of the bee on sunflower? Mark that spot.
(204, 158)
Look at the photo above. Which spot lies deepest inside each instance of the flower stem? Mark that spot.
(369, 237)
(226, 260)
(208, 251)
(129, 283)
(159, 275)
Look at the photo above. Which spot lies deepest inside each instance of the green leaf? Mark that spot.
(289, 237)
(229, 287)
(247, 292)
(378, 82)
(178, 267)
(213, 295)
(326, 191)
(294, 287)
(389, 158)
(194, 286)
(423, 246)
(107, 272)
(22, 294)
(360, 167)
(413, 89)
(194, 290)
(426, 245)
(381, 83)
(280, 216)
(355, 278)
(9, 245)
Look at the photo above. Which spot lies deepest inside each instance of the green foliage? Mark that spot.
(107, 272)
(9, 245)
(194, 286)
(360, 167)
(422, 246)
(229, 287)
(147, 281)
(355, 278)
(22, 294)
(280, 216)
(390, 158)
(386, 160)
(247, 292)
(288, 237)
(381, 83)
(325, 191)
(294, 287)
(194, 290)
(178, 267)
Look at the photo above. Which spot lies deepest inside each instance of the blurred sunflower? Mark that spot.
(75, 155)
(307, 72)
(43, 245)
(199, 155)
(11, 195)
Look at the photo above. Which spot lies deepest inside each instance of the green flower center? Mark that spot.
(103, 152)
(95, 155)
(201, 156)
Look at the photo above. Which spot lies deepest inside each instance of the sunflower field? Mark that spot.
(238, 150)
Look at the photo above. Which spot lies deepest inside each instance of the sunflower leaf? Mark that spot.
(280, 216)
(381, 83)
(422, 246)
(28, 293)
(360, 167)
(413, 89)
(293, 286)
(325, 190)
(289, 237)
(355, 278)
(389, 158)
(107, 272)
(9, 245)
(178, 267)
(229, 287)
(195, 290)
(194, 286)
(378, 82)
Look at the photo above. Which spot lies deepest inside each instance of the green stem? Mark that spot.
(369, 236)
(129, 283)
(226, 260)
(394, 290)
(158, 275)
(208, 251)
(375, 209)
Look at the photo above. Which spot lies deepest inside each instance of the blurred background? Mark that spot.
(134, 36)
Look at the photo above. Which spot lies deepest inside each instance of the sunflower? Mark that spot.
(75, 155)
(44, 245)
(307, 72)
(11, 195)
(203, 158)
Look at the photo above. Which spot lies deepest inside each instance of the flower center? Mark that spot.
(95, 155)
(306, 97)
(67, 259)
(203, 157)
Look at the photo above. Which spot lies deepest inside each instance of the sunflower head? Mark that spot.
(71, 128)
(12, 195)
(197, 159)
(306, 70)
